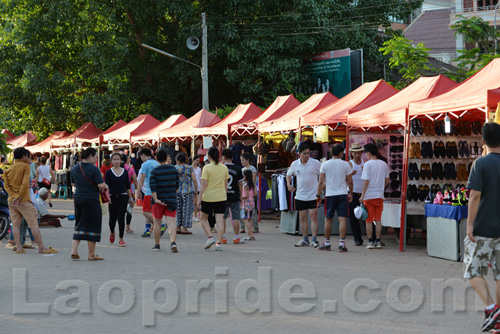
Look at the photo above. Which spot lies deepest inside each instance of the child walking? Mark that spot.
(247, 203)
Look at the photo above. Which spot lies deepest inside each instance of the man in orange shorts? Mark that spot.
(375, 178)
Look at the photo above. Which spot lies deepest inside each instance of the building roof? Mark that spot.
(432, 28)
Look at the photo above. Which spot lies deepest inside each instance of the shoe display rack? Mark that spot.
(395, 164)
(439, 160)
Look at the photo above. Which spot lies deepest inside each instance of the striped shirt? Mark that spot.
(164, 181)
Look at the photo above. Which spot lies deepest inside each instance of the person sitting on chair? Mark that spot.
(44, 218)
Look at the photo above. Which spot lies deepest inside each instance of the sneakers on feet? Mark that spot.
(325, 247)
(358, 243)
(156, 247)
(218, 248)
(315, 244)
(121, 243)
(490, 318)
(163, 229)
(238, 241)
(370, 245)
(496, 329)
(378, 245)
(247, 238)
(302, 243)
(146, 234)
(224, 241)
(342, 249)
(173, 247)
(209, 243)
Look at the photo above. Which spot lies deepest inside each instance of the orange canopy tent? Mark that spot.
(363, 97)
(392, 111)
(479, 92)
(136, 126)
(241, 114)
(44, 146)
(281, 106)
(290, 121)
(9, 134)
(202, 118)
(26, 139)
(84, 134)
(151, 136)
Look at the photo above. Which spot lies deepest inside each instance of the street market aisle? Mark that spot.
(265, 286)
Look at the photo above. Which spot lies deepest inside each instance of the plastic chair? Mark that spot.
(67, 191)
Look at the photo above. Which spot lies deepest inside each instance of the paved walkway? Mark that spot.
(265, 286)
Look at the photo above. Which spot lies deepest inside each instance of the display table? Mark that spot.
(391, 216)
(446, 230)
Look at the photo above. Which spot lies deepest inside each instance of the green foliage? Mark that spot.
(4, 148)
(410, 60)
(66, 62)
(475, 31)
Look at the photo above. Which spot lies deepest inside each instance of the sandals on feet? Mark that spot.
(96, 258)
(75, 257)
(49, 251)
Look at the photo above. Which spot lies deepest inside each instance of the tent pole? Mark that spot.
(259, 186)
(404, 183)
(347, 140)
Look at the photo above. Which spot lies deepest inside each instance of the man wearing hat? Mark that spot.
(356, 164)
(44, 218)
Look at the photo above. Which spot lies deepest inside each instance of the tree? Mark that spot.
(67, 62)
(410, 60)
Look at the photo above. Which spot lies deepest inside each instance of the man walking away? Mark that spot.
(376, 178)
(337, 174)
(482, 244)
(234, 191)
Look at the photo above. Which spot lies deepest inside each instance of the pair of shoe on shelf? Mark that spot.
(426, 150)
(462, 172)
(416, 127)
(451, 150)
(416, 194)
(415, 152)
(476, 150)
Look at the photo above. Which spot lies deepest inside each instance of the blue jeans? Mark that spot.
(23, 228)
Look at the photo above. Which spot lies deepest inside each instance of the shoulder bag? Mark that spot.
(105, 198)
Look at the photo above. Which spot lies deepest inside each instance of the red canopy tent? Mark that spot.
(44, 146)
(26, 139)
(281, 106)
(363, 97)
(136, 126)
(121, 123)
(479, 92)
(392, 110)
(151, 136)
(291, 120)
(9, 134)
(241, 114)
(202, 118)
(85, 134)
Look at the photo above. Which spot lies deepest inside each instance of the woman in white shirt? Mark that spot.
(44, 176)
(197, 172)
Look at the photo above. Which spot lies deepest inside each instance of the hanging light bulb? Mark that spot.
(176, 145)
(447, 124)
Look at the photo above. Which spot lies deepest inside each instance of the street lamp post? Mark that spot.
(203, 68)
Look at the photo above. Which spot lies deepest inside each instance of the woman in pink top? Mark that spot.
(247, 203)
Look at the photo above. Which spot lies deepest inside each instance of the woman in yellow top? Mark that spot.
(214, 180)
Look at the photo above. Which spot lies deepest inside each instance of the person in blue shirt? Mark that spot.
(149, 163)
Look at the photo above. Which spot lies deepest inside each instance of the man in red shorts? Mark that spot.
(164, 181)
(147, 166)
(375, 178)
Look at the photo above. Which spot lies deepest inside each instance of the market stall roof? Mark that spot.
(184, 130)
(84, 134)
(26, 139)
(290, 121)
(480, 91)
(9, 134)
(121, 123)
(151, 136)
(363, 97)
(392, 111)
(241, 114)
(136, 126)
(44, 146)
(280, 106)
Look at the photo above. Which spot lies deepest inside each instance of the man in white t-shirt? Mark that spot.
(306, 171)
(337, 174)
(376, 178)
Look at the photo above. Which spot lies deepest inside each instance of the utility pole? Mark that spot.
(204, 61)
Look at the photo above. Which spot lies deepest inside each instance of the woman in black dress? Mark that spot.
(87, 180)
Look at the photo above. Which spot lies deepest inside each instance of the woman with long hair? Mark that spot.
(214, 181)
(106, 165)
(87, 180)
(44, 176)
(118, 182)
(248, 203)
(185, 194)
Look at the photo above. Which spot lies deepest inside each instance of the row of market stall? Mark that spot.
(375, 112)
